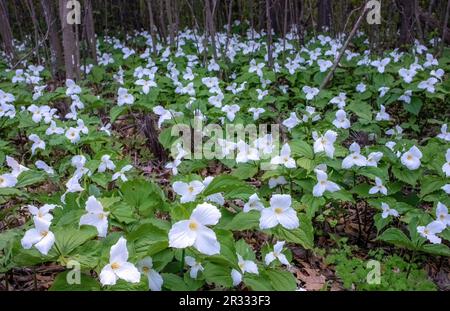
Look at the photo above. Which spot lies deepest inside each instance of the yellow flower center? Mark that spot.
(2, 180)
(426, 231)
(278, 210)
(193, 225)
(44, 234)
(101, 216)
(115, 265)
(146, 269)
(409, 157)
(191, 189)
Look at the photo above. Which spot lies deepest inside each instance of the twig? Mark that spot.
(344, 47)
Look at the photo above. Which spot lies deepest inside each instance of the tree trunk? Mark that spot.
(406, 8)
(70, 46)
(5, 31)
(51, 19)
(269, 33)
(152, 26)
(324, 14)
(90, 30)
(210, 27)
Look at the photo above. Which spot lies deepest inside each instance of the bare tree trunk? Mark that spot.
(170, 23)
(152, 26)
(406, 22)
(324, 14)
(5, 31)
(444, 29)
(269, 34)
(210, 27)
(71, 55)
(56, 62)
(90, 30)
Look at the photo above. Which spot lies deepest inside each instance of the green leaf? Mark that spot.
(396, 237)
(415, 105)
(30, 177)
(217, 274)
(68, 238)
(244, 221)
(430, 184)
(231, 186)
(174, 282)
(282, 280)
(115, 112)
(436, 249)
(407, 176)
(245, 171)
(86, 283)
(257, 282)
(301, 148)
(303, 235)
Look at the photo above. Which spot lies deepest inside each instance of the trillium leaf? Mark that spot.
(397, 237)
(67, 281)
(218, 275)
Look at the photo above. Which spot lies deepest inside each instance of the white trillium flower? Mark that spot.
(341, 120)
(45, 167)
(253, 203)
(106, 163)
(325, 143)
(446, 166)
(231, 111)
(95, 216)
(42, 213)
(246, 153)
(16, 168)
(277, 181)
(121, 174)
(442, 214)
(188, 191)
(428, 85)
(355, 158)
(40, 236)
(387, 211)
(194, 231)
(246, 266)
(37, 143)
(276, 254)
(279, 212)
(7, 180)
(146, 85)
(291, 122)
(256, 112)
(373, 158)
(444, 134)
(382, 115)
(378, 188)
(323, 184)
(284, 158)
(194, 265)
(73, 134)
(310, 92)
(119, 267)
(429, 231)
(411, 158)
(155, 280)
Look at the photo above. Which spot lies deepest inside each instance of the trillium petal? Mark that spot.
(44, 245)
(107, 276)
(181, 236)
(206, 241)
(288, 219)
(268, 219)
(155, 281)
(119, 251)
(30, 238)
(206, 214)
(128, 272)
